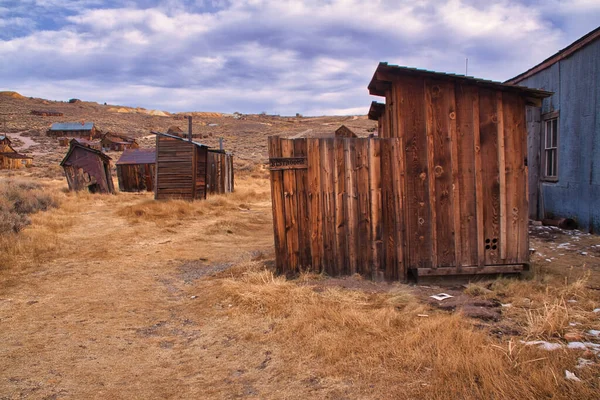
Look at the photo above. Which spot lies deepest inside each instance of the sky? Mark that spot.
(313, 57)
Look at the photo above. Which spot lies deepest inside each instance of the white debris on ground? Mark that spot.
(571, 376)
(441, 296)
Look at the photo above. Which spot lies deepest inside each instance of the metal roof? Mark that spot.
(180, 138)
(72, 126)
(2, 137)
(137, 156)
(379, 81)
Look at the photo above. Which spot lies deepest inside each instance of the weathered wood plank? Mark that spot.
(491, 269)
(351, 206)
(363, 194)
(418, 223)
(304, 258)
(315, 214)
(328, 205)
(398, 207)
(291, 207)
(375, 206)
(339, 182)
(488, 127)
(501, 176)
(278, 206)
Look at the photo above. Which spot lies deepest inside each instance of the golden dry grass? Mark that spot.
(120, 296)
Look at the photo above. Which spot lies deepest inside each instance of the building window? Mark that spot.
(551, 148)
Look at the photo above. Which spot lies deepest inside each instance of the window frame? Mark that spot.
(546, 120)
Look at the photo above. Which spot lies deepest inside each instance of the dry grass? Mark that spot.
(120, 296)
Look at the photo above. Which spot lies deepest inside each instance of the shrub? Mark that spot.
(18, 199)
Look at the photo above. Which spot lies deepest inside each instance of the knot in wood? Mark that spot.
(423, 176)
(421, 221)
(435, 90)
(477, 148)
(495, 119)
(438, 171)
(452, 115)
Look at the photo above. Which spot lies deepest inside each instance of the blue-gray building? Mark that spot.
(564, 135)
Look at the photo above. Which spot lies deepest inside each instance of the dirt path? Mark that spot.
(27, 141)
(112, 318)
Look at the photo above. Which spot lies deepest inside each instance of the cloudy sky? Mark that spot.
(314, 57)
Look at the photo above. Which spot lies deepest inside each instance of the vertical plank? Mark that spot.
(488, 129)
(351, 206)
(304, 258)
(455, 199)
(315, 213)
(328, 205)
(398, 208)
(438, 109)
(375, 205)
(502, 174)
(418, 222)
(341, 252)
(478, 183)
(291, 207)
(523, 185)
(363, 195)
(467, 121)
(513, 164)
(278, 207)
(387, 195)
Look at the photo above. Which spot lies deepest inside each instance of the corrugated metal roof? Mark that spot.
(383, 67)
(137, 156)
(2, 137)
(179, 138)
(72, 126)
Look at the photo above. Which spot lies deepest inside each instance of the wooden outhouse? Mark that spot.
(376, 113)
(136, 170)
(442, 191)
(219, 174)
(84, 130)
(87, 168)
(10, 158)
(344, 131)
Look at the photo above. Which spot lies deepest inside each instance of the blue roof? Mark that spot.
(2, 137)
(72, 126)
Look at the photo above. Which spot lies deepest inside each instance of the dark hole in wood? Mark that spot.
(487, 246)
(487, 240)
(494, 247)
(494, 240)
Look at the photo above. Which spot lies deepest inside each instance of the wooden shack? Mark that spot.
(442, 192)
(87, 168)
(118, 142)
(136, 170)
(94, 144)
(10, 158)
(47, 113)
(84, 130)
(376, 113)
(344, 131)
(188, 170)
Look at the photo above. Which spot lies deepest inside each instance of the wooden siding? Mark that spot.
(85, 169)
(219, 176)
(136, 177)
(444, 192)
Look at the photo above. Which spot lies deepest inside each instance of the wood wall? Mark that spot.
(180, 169)
(219, 178)
(86, 170)
(136, 177)
(444, 192)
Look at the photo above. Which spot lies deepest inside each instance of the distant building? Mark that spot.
(117, 142)
(10, 158)
(188, 170)
(564, 137)
(344, 132)
(94, 144)
(136, 170)
(87, 168)
(85, 130)
(377, 113)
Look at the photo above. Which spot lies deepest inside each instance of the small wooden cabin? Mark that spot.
(47, 113)
(183, 169)
(10, 158)
(117, 142)
(136, 170)
(83, 130)
(376, 113)
(94, 144)
(344, 131)
(442, 191)
(87, 168)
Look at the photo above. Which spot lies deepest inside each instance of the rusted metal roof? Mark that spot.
(137, 156)
(180, 138)
(380, 82)
(72, 126)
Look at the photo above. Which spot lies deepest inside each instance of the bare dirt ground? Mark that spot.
(121, 297)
